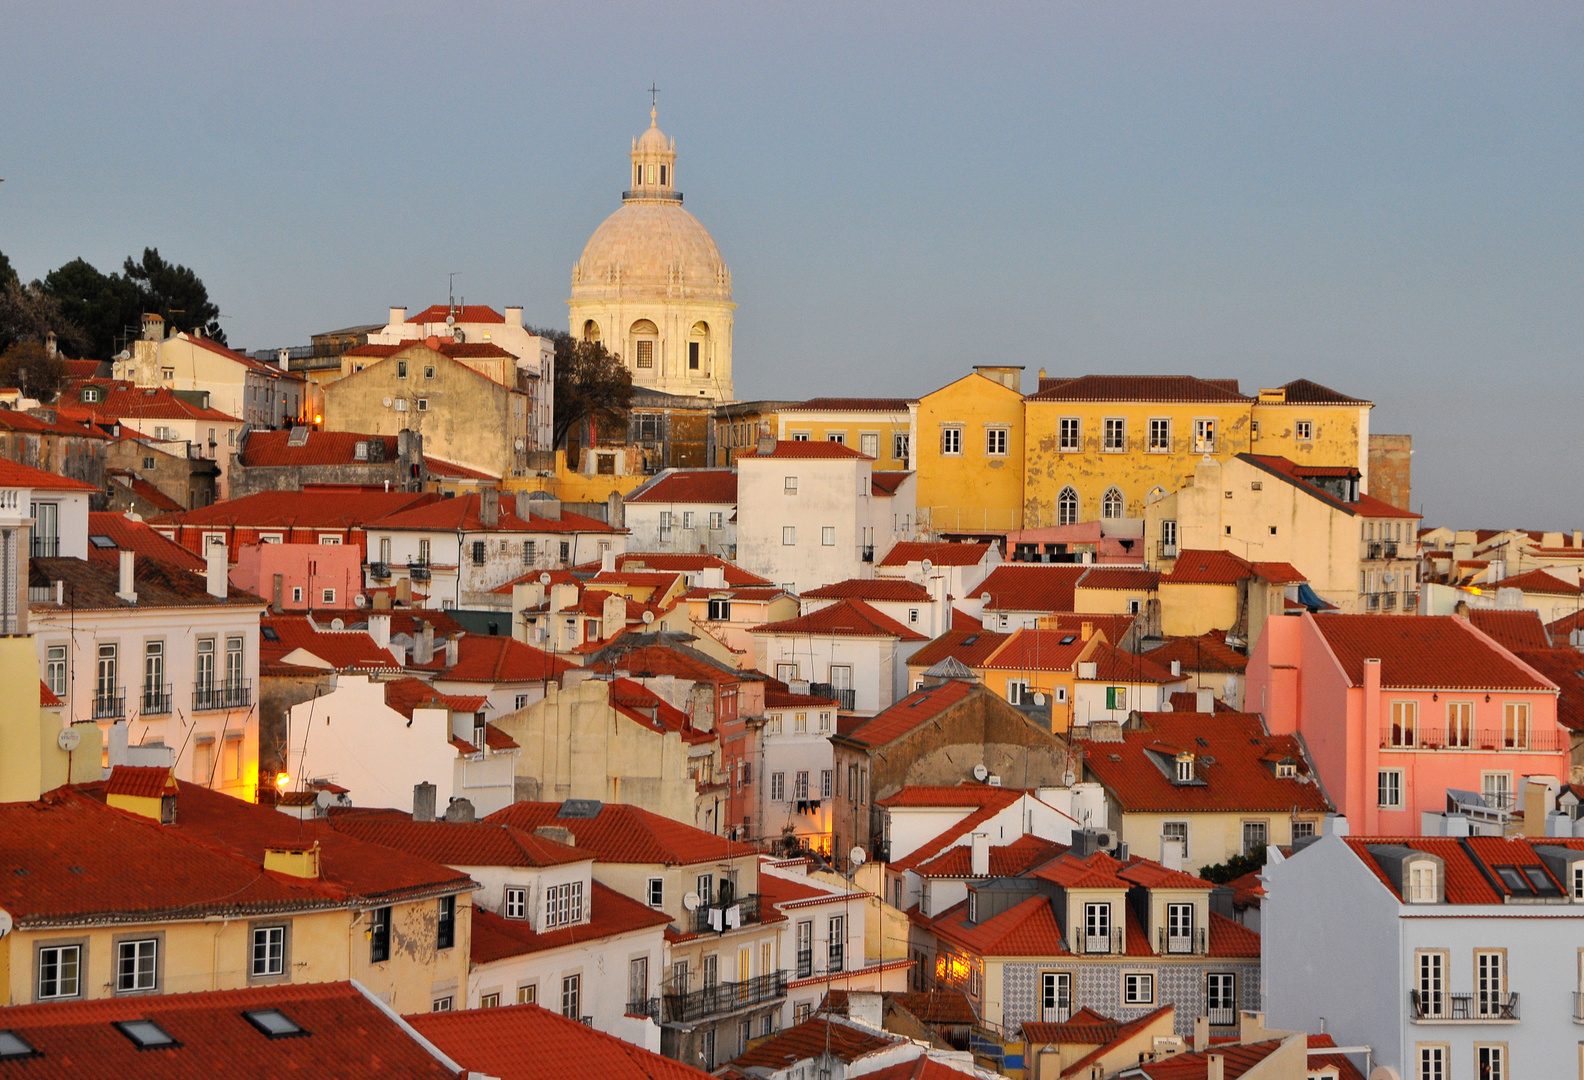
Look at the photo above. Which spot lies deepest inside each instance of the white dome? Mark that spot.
(651, 247)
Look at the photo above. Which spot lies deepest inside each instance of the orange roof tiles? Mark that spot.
(619, 833)
(1422, 652)
(1114, 665)
(810, 1039)
(1038, 650)
(898, 590)
(488, 658)
(274, 448)
(917, 708)
(1028, 928)
(408, 695)
(882, 484)
(137, 537)
(462, 513)
(841, 404)
(15, 474)
(1538, 581)
(1469, 863)
(343, 650)
(1119, 577)
(1511, 629)
(1006, 860)
(938, 553)
(1366, 505)
(1279, 573)
(455, 843)
(301, 509)
(1197, 566)
(464, 313)
(1308, 392)
(692, 564)
(972, 647)
(1138, 388)
(982, 809)
(1031, 588)
(610, 913)
(689, 486)
(145, 782)
(1236, 1060)
(849, 618)
(122, 400)
(465, 350)
(1205, 653)
(1085, 1027)
(1565, 667)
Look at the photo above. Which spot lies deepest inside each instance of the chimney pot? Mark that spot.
(451, 652)
(215, 570)
(127, 588)
(979, 855)
(489, 507)
(424, 801)
(767, 445)
(1204, 700)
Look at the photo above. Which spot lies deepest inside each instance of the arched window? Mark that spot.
(591, 331)
(1067, 507)
(644, 333)
(698, 347)
(1111, 505)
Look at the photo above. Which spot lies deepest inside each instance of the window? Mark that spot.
(801, 1012)
(516, 903)
(800, 723)
(105, 689)
(1115, 435)
(1159, 435)
(825, 783)
(1430, 975)
(717, 519)
(429, 371)
(327, 596)
(1067, 507)
(869, 444)
(59, 971)
(1304, 430)
(269, 951)
(1490, 983)
(480, 549)
(1018, 693)
(711, 972)
(1388, 787)
(401, 404)
(828, 536)
(800, 436)
(1138, 989)
(489, 1001)
(656, 892)
(1578, 881)
(786, 672)
(401, 369)
(789, 485)
(1185, 769)
(1111, 505)
(1404, 723)
(572, 992)
(1515, 725)
(638, 979)
(693, 351)
(951, 441)
(704, 885)
(1221, 997)
(720, 610)
(528, 995)
(1255, 836)
(55, 669)
(1432, 1063)
(1117, 698)
(564, 904)
(1301, 829)
(1055, 996)
(1097, 927)
(646, 354)
(423, 404)
(996, 442)
(137, 965)
(1460, 724)
(687, 519)
(1497, 789)
(379, 935)
(788, 535)
(1169, 536)
(1204, 437)
(1069, 440)
(297, 594)
(1174, 831)
(899, 446)
(1421, 883)
(837, 943)
(800, 785)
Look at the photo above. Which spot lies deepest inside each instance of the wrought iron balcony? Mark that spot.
(379, 571)
(724, 998)
(649, 1007)
(1101, 944)
(44, 547)
(109, 704)
(418, 571)
(718, 918)
(1374, 549)
(155, 700)
(1058, 1013)
(1193, 943)
(805, 963)
(845, 699)
(1479, 1007)
(234, 694)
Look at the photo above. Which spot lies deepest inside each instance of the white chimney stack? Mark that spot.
(979, 855)
(398, 315)
(216, 570)
(379, 628)
(1205, 700)
(514, 316)
(125, 589)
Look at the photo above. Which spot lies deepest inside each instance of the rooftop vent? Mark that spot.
(580, 808)
(298, 437)
(13, 1045)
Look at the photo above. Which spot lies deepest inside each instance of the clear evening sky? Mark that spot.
(1388, 199)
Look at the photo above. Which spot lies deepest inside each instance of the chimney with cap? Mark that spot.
(489, 507)
(979, 855)
(215, 570)
(424, 801)
(1215, 1067)
(379, 628)
(767, 445)
(423, 644)
(514, 316)
(451, 652)
(126, 589)
(398, 315)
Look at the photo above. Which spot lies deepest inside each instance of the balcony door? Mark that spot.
(105, 678)
(1432, 984)
(1221, 998)
(1490, 982)
(1055, 997)
(1097, 928)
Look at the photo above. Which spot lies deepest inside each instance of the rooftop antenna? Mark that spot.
(451, 291)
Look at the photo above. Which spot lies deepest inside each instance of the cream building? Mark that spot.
(651, 284)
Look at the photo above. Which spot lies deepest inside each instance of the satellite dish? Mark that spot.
(691, 901)
(856, 856)
(5, 923)
(360, 600)
(337, 624)
(928, 566)
(980, 773)
(325, 799)
(985, 597)
(544, 578)
(450, 320)
(1039, 699)
(648, 617)
(68, 740)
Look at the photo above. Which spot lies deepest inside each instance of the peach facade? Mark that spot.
(311, 575)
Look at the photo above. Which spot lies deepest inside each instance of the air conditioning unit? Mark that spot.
(1106, 839)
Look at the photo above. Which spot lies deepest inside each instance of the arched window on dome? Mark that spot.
(644, 334)
(591, 332)
(1067, 507)
(698, 348)
(1111, 504)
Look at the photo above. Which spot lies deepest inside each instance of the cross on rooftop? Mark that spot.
(654, 95)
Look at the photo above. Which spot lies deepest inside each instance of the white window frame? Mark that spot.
(1114, 435)
(1069, 435)
(516, 902)
(1138, 988)
(789, 536)
(828, 536)
(1388, 785)
(997, 441)
(951, 440)
(1159, 435)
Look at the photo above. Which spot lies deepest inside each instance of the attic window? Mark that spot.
(1286, 770)
(969, 640)
(146, 1034)
(1185, 769)
(1068, 639)
(13, 1045)
(101, 541)
(274, 1023)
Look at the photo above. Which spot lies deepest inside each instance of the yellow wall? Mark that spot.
(1339, 433)
(1042, 682)
(31, 761)
(1212, 838)
(972, 491)
(1111, 601)
(1191, 610)
(821, 425)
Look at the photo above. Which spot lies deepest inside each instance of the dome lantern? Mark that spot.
(653, 166)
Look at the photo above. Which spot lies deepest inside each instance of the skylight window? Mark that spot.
(99, 540)
(274, 1023)
(1539, 881)
(268, 633)
(1514, 881)
(13, 1045)
(146, 1034)
(1068, 639)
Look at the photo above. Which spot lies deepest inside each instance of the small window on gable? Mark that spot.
(1421, 882)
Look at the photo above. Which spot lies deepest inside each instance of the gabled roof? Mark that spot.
(140, 781)
(1565, 667)
(408, 695)
(17, 475)
(813, 1037)
(1139, 388)
(938, 1006)
(938, 553)
(1279, 573)
(1086, 1027)
(1236, 1059)
(882, 484)
(610, 913)
(1426, 652)
(489, 658)
(648, 661)
(301, 509)
(1208, 652)
(1114, 665)
(465, 313)
(1202, 566)
(1038, 650)
(348, 1033)
(1512, 629)
(917, 708)
(456, 350)
(462, 514)
(691, 564)
(1297, 475)
(456, 843)
(256, 366)
(970, 647)
(618, 833)
(898, 590)
(277, 448)
(342, 650)
(527, 1042)
(1014, 587)
(987, 805)
(1234, 759)
(1130, 578)
(1344, 1066)
(849, 618)
(1028, 928)
(157, 499)
(93, 586)
(1540, 582)
(124, 534)
(1118, 1033)
(940, 795)
(1563, 627)
(122, 400)
(806, 450)
(1308, 392)
(716, 486)
(1006, 860)
(1470, 863)
(852, 404)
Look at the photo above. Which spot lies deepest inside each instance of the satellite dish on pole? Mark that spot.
(691, 901)
(856, 856)
(68, 740)
(1039, 699)
(5, 923)
(980, 773)
(928, 566)
(648, 617)
(544, 578)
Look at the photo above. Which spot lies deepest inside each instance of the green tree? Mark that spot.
(107, 307)
(176, 293)
(28, 313)
(589, 383)
(8, 276)
(29, 365)
(1235, 867)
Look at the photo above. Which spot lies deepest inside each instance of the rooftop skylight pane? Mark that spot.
(146, 1034)
(13, 1045)
(274, 1023)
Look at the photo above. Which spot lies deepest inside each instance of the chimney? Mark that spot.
(423, 644)
(563, 595)
(1215, 1067)
(979, 855)
(423, 801)
(1088, 669)
(613, 615)
(216, 570)
(514, 317)
(1087, 631)
(521, 506)
(283, 358)
(559, 833)
(460, 809)
(489, 507)
(127, 590)
(767, 445)
(1171, 854)
(379, 628)
(616, 511)
(153, 327)
(1204, 700)
(1201, 1034)
(868, 1008)
(398, 315)
(1176, 669)
(451, 652)
(277, 593)
(1578, 539)
(608, 562)
(404, 590)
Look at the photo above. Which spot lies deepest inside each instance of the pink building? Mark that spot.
(300, 577)
(1396, 709)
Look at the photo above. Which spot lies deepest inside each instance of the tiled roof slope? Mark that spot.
(1114, 665)
(689, 486)
(618, 833)
(526, 1042)
(1366, 506)
(1139, 388)
(92, 586)
(1469, 863)
(850, 618)
(917, 708)
(1565, 667)
(971, 647)
(897, 590)
(1205, 653)
(1119, 577)
(838, 404)
(467, 313)
(938, 553)
(125, 401)
(301, 509)
(1038, 650)
(343, 650)
(274, 448)
(1200, 566)
(492, 658)
(1236, 1060)
(1512, 629)
(1538, 581)
(610, 913)
(813, 1037)
(1308, 392)
(1138, 775)
(1006, 860)
(886, 483)
(1423, 652)
(462, 513)
(348, 1034)
(455, 843)
(406, 696)
(808, 450)
(464, 350)
(137, 537)
(1028, 928)
(17, 475)
(933, 1007)
(1085, 1027)
(1031, 588)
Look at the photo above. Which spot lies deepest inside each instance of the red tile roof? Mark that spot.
(122, 400)
(490, 658)
(920, 1068)
(810, 1039)
(1086, 1027)
(15, 474)
(343, 650)
(301, 509)
(841, 404)
(692, 564)
(849, 618)
(1038, 650)
(273, 448)
(806, 450)
(1080, 1067)
(144, 490)
(1565, 667)
(649, 661)
(467, 350)
(468, 313)
(1563, 627)
(139, 781)
(1137, 773)
(12, 420)
(984, 808)
(408, 695)
(899, 590)
(882, 484)
(1120, 577)
(1279, 573)
(47, 698)
(526, 1042)
(972, 647)
(610, 913)
(462, 513)
(455, 844)
(1199, 566)
(1512, 629)
(935, 796)
(1030, 588)
(138, 537)
(717, 486)
(1114, 665)
(1538, 581)
(348, 1034)
(1006, 860)
(1205, 653)
(1138, 388)
(210, 345)
(951, 1007)
(1307, 392)
(1344, 1066)
(1366, 506)
(918, 708)
(1236, 1060)
(938, 553)
(1469, 878)
(450, 470)
(619, 833)
(1430, 652)
(1025, 929)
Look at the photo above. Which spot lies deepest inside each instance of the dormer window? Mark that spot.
(90, 395)
(1185, 768)
(1422, 883)
(1286, 770)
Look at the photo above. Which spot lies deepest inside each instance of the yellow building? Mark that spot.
(1310, 424)
(738, 425)
(968, 453)
(1040, 664)
(33, 745)
(879, 427)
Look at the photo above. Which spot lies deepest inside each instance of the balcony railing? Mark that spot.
(1163, 550)
(1221, 1016)
(109, 704)
(717, 918)
(44, 547)
(237, 694)
(652, 193)
(418, 571)
(379, 571)
(1373, 549)
(1436, 737)
(1100, 944)
(1389, 549)
(845, 699)
(866, 552)
(1193, 943)
(724, 998)
(835, 962)
(155, 700)
(1481, 1007)
(1058, 1013)
(649, 1007)
(805, 963)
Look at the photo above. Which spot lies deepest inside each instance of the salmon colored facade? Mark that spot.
(1396, 709)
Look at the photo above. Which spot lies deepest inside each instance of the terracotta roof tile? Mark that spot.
(886, 483)
(938, 553)
(841, 404)
(121, 400)
(1031, 588)
(1199, 566)
(1538, 581)
(456, 844)
(972, 647)
(1085, 1027)
(1205, 653)
(275, 448)
(462, 513)
(1006, 860)
(1565, 667)
(492, 658)
(93, 586)
(301, 509)
(1422, 652)
(1470, 863)
(917, 708)
(343, 650)
(145, 782)
(610, 913)
(1512, 629)
(1344, 1066)
(467, 313)
(619, 833)
(1235, 1061)
(899, 590)
(409, 695)
(135, 536)
(845, 1042)
(806, 450)
(467, 350)
(1279, 573)
(1026, 929)
(1129, 578)
(1138, 388)
(849, 618)
(1114, 665)
(691, 564)
(15, 474)
(1366, 506)
(1308, 392)
(1038, 650)
(716, 486)
(951, 1007)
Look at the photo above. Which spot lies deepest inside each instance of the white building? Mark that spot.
(685, 510)
(925, 609)
(960, 567)
(796, 767)
(264, 395)
(848, 651)
(1448, 956)
(812, 513)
